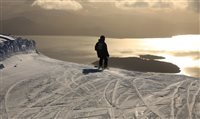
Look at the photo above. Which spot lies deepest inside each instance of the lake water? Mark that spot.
(184, 51)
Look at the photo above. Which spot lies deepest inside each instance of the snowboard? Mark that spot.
(101, 69)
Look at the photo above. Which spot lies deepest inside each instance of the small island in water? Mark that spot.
(144, 63)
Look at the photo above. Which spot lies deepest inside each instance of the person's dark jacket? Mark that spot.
(101, 48)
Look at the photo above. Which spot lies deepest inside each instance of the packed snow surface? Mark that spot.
(36, 87)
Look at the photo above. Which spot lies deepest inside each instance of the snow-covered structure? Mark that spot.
(10, 45)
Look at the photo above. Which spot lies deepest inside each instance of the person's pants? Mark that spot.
(103, 60)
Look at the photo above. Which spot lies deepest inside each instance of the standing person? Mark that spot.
(102, 52)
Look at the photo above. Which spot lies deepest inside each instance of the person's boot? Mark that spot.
(105, 67)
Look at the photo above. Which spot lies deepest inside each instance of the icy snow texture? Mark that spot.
(33, 86)
(43, 88)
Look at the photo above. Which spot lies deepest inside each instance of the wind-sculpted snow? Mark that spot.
(10, 46)
(65, 92)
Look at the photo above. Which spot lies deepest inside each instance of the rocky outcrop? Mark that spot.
(12, 45)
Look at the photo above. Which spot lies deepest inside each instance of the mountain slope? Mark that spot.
(40, 87)
(33, 86)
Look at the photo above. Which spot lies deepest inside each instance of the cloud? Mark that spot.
(122, 4)
(100, 0)
(194, 5)
(58, 4)
(127, 4)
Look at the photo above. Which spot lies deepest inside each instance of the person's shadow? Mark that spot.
(87, 71)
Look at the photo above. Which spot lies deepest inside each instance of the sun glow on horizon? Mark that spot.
(182, 61)
(183, 51)
(177, 43)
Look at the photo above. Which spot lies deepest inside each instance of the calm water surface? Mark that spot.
(184, 51)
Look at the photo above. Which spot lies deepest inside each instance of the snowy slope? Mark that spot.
(37, 87)
(33, 86)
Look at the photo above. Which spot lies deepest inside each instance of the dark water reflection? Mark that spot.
(181, 50)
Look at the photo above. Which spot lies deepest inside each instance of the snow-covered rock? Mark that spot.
(10, 46)
(34, 86)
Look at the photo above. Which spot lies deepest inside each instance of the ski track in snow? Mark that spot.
(66, 93)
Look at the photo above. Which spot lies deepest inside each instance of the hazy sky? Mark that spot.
(116, 18)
